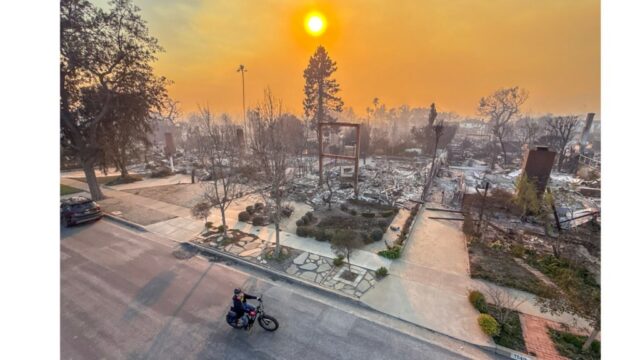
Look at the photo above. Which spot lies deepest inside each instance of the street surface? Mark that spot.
(126, 296)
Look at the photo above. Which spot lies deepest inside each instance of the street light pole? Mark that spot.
(242, 70)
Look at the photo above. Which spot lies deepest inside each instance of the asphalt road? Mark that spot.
(126, 296)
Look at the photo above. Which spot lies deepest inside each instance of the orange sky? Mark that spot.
(450, 52)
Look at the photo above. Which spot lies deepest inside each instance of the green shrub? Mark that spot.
(287, 211)
(338, 261)
(476, 298)
(259, 206)
(299, 222)
(344, 207)
(366, 238)
(258, 220)
(376, 234)
(222, 228)
(353, 212)
(387, 213)
(517, 250)
(489, 325)
(323, 235)
(309, 215)
(368, 214)
(244, 216)
(382, 272)
(304, 231)
(393, 253)
(250, 209)
(382, 224)
(208, 224)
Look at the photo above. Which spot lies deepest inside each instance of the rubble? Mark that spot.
(386, 181)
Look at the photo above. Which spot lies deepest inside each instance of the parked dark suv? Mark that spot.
(78, 209)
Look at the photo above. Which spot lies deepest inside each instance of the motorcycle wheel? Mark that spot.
(268, 323)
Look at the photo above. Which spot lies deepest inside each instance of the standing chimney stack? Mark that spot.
(587, 130)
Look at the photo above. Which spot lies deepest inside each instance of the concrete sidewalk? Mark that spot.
(176, 223)
(428, 284)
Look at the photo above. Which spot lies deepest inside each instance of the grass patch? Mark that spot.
(500, 268)
(67, 190)
(510, 332)
(564, 273)
(393, 253)
(570, 345)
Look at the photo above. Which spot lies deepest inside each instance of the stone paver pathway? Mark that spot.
(306, 265)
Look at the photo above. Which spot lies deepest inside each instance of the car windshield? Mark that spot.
(83, 206)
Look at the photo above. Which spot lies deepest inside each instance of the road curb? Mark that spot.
(275, 272)
(126, 222)
(494, 349)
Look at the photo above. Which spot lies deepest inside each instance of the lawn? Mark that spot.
(510, 332)
(499, 267)
(570, 277)
(113, 179)
(570, 345)
(67, 190)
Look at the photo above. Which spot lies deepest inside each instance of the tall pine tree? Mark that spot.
(320, 90)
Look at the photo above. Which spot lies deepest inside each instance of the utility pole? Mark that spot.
(242, 70)
(438, 130)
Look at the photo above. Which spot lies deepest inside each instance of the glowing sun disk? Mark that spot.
(315, 24)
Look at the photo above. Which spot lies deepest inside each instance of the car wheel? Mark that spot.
(65, 222)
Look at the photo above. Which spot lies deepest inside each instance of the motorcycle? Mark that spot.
(267, 322)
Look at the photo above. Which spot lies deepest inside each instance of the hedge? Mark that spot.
(489, 325)
(476, 298)
(244, 216)
(393, 253)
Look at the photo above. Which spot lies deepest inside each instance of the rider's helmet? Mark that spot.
(237, 291)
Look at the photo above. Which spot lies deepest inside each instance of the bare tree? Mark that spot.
(500, 107)
(201, 210)
(505, 302)
(345, 241)
(222, 155)
(528, 131)
(329, 181)
(272, 156)
(562, 129)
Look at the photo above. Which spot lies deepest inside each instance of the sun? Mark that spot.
(315, 24)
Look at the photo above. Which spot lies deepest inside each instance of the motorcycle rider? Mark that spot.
(240, 307)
